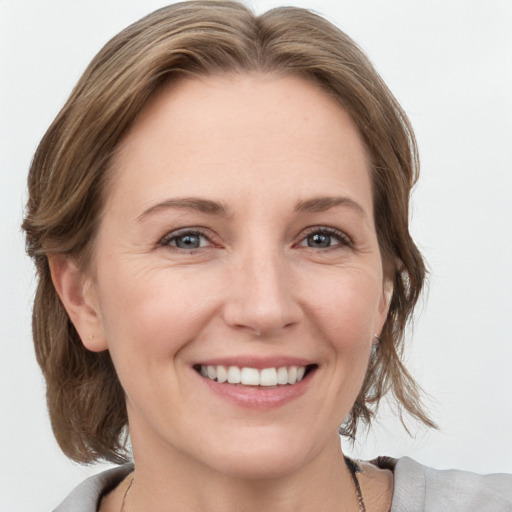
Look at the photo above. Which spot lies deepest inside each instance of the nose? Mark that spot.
(261, 295)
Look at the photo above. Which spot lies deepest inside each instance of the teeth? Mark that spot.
(292, 375)
(282, 375)
(252, 376)
(268, 377)
(233, 375)
(212, 372)
(222, 374)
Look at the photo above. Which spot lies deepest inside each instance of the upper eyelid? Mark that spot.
(326, 229)
(205, 232)
(171, 235)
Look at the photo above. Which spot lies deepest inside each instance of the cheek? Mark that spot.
(149, 315)
(347, 308)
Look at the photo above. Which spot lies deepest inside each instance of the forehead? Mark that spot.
(252, 128)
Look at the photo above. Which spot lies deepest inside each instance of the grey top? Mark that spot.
(417, 488)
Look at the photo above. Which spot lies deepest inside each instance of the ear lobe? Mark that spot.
(387, 294)
(76, 294)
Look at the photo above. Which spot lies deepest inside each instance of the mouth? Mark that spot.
(246, 376)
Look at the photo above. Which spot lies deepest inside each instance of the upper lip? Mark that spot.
(255, 362)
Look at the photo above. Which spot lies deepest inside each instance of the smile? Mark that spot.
(257, 384)
(284, 375)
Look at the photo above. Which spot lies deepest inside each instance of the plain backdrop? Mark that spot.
(449, 62)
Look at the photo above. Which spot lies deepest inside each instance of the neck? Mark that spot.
(169, 483)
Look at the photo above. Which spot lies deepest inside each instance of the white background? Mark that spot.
(449, 62)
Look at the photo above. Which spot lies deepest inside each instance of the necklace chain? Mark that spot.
(126, 493)
(353, 467)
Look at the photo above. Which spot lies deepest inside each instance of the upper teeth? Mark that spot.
(253, 376)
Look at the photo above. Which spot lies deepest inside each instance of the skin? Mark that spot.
(258, 286)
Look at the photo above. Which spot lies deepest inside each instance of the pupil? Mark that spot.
(319, 240)
(188, 242)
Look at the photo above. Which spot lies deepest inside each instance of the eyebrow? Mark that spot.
(315, 204)
(188, 203)
(324, 203)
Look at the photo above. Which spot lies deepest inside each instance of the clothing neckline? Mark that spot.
(90, 492)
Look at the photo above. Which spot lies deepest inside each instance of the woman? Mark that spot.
(219, 218)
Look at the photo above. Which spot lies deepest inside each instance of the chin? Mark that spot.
(263, 456)
(258, 467)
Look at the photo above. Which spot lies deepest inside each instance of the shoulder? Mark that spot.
(86, 496)
(418, 488)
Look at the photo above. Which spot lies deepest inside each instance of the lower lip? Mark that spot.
(259, 397)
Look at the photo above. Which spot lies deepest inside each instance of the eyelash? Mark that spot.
(170, 240)
(342, 238)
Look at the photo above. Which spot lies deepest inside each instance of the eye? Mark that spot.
(325, 238)
(186, 239)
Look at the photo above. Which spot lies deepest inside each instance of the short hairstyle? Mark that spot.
(70, 169)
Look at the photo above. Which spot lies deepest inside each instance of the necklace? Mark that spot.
(353, 467)
(126, 493)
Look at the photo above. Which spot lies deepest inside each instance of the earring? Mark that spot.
(376, 339)
(91, 337)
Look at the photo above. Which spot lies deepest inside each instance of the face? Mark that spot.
(238, 242)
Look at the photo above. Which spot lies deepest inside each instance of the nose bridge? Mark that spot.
(262, 298)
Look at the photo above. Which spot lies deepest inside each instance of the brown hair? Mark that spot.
(68, 174)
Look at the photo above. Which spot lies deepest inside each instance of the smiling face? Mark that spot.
(238, 242)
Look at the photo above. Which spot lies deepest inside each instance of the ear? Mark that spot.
(77, 294)
(385, 301)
